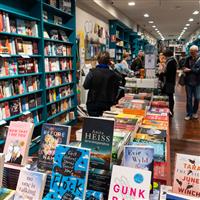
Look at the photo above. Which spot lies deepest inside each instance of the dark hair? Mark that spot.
(168, 53)
(103, 58)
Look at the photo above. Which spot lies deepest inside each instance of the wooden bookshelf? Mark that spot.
(32, 12)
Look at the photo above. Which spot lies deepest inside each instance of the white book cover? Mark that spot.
(129, 183)
(2, 158)
(164, 189)
(30, 185)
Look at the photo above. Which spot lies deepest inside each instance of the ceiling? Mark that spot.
(169, 16)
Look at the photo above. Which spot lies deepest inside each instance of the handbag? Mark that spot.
(181, 80)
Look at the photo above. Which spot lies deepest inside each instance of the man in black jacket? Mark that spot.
(103, 84)
(191, 81)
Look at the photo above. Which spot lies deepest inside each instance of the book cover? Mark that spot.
(13, 26)
(51, 136)
(93, 195)
(6, 194)
(129, 183)
(70, 172)
(30, 185)
(2, 158)
(174, 196)
(98, 136)
(163, 191)
(21, 27)
(19, 45)
(187, 175)
(15, 107)
(139, 157)
(17, 142)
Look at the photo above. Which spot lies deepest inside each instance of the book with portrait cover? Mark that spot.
(97, 135)
(17, 142)
(129, 183)
(30, 185)
(69, 174)
(51, 136)
(187, 175)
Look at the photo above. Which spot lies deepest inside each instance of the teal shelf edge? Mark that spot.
(20, 76)
(59, 71)
(58, 41)
(58, 100)
(22, 56)
(57, 26)
(19, 35)
(58, 56)
(60, 113)
(61, 85)
(2, 142)
(20, 95)
(57, 10)
(18, 14)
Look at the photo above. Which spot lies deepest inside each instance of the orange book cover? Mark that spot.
(1, 22)
(134, 112)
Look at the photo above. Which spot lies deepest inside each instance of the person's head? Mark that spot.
(168, 53)
(140, 54)
(104, 58)
(194, 50)
(125, 55)
(162, 58)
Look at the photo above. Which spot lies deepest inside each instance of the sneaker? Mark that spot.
(187, 118)
(195, 116)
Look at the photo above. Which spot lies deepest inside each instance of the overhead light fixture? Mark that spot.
(131, 3)
(196, 12)
(191, 20)
(187, 25)
(156, 29)
(151, 22)
(154, 26)
(185, 28)
(146, 15)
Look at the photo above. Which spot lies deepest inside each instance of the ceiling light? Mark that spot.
(196, 12)
(156, 29)
(146, 15)
(187, 25)
(185, 28)
(154, 26)
(191, 20)
(132, 3)
(151, 22)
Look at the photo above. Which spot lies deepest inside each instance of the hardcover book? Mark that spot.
(129, 183)
(98, 136)
(187, 175)
(70, 172)
(17, 142)
(30, 185)
(51, 136)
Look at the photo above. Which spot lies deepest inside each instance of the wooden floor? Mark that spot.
(185, 135)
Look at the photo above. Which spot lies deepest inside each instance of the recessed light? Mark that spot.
(191, 20)
(187, 25)
(196, 12)
(185, 28)
(131, 3)
(151, 22)
(146, 15)
(154, 26)
(156, 29)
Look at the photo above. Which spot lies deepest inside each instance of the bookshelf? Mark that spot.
(119, 39)
(37, 60)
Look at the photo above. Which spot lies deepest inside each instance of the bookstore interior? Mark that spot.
(99, 99)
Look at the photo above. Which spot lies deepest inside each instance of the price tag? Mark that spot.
(25, 56)
(26, 112)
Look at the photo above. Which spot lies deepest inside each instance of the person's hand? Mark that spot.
(186, 70)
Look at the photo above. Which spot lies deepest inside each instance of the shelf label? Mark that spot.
(5, 55)
(2, 122)
(25, 56)
(26, 112)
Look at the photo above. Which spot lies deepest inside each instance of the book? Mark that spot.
(187, 175)
(15, 107)
(93, 195)
(19, 45)
(17, 142)
(174, 196)
(70, 172)
(4, 46)
(13, 26)
(6, 194)
(30, 185)
(51, 136)
(163, 191)
(57, 20)
(21, 26)
(98, 136)
(129, 183)
(2, 158)
(139, 157)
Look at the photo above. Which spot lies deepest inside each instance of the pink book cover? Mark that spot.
(187, 175)
(157, 117)
(17, 142)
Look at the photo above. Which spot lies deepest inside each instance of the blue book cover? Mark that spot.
(69, 174)
(173, 196)
(97, 135)
(93, 195)
(51, 136)
(140, 157)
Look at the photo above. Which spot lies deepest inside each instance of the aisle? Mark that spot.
(185, 135)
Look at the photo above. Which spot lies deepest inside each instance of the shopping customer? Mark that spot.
(138, 63)
(169, 75)
(103, 84)
(191, 81)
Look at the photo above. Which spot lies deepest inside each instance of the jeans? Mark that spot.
(171, 102)
(191, 106)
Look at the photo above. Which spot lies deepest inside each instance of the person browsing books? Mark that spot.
(103, 84)
(138, 63)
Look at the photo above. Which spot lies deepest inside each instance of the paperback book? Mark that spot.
(51, 136)
(69, 174)
(129, 183)
(98, 136)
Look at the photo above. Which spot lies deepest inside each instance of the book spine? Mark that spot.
(7, 23)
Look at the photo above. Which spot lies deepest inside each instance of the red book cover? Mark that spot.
(1, 22)
(160, 170)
